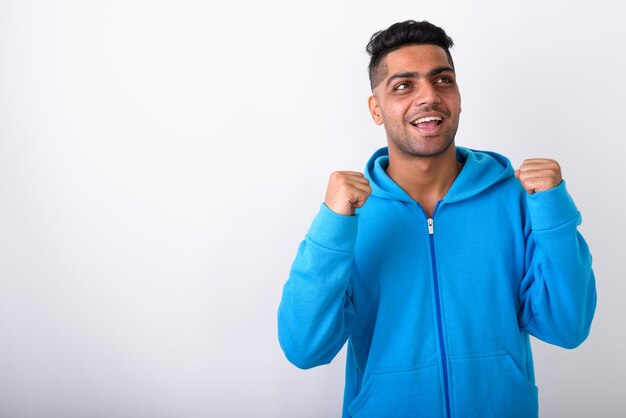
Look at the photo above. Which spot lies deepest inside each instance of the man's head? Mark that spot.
(401, 34)
(414, 90)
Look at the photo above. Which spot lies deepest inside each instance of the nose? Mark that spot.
(427, 94)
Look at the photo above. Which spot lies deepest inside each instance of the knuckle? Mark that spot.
(337, 178)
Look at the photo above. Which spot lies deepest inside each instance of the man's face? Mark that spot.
(418, 101)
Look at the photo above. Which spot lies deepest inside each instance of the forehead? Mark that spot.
(418, 58)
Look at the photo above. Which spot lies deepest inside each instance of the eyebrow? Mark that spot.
(410, 74)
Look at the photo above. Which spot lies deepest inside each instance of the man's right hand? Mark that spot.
(347, 191)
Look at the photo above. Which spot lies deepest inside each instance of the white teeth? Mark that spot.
(427, 119)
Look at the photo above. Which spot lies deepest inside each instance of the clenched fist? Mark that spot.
(539, 174)
(347, 191)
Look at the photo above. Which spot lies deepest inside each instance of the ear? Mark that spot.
(377, 115)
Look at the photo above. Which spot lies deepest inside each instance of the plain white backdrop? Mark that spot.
(161, 160)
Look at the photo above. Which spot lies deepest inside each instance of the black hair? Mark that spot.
(401, 34)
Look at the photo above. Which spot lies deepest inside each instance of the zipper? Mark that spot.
(442, 347)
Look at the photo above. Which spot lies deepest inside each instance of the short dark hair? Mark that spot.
(401, 34)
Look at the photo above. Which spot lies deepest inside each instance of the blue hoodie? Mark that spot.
(438, 312)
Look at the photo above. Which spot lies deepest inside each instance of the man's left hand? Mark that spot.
(539, 174)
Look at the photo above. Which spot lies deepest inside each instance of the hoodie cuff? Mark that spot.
(334, 231)
(551, 208)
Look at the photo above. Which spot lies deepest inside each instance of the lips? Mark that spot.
(432, 120)
(428, 124)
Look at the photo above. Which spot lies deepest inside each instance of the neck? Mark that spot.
(425, 179)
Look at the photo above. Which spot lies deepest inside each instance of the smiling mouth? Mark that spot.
(427, 121)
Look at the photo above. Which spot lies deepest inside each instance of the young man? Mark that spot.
(440, 261)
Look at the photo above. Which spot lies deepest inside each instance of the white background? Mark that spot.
(161, 160)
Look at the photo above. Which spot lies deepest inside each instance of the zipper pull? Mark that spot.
(431, 226)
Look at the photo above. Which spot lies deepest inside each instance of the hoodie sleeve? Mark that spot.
(558, 293)
(316, 314)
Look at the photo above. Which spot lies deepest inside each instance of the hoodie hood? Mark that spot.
(481, 170)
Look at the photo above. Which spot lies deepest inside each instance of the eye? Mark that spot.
(402, 86)
(444, 80)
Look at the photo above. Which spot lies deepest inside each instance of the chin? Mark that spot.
(425, 151)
